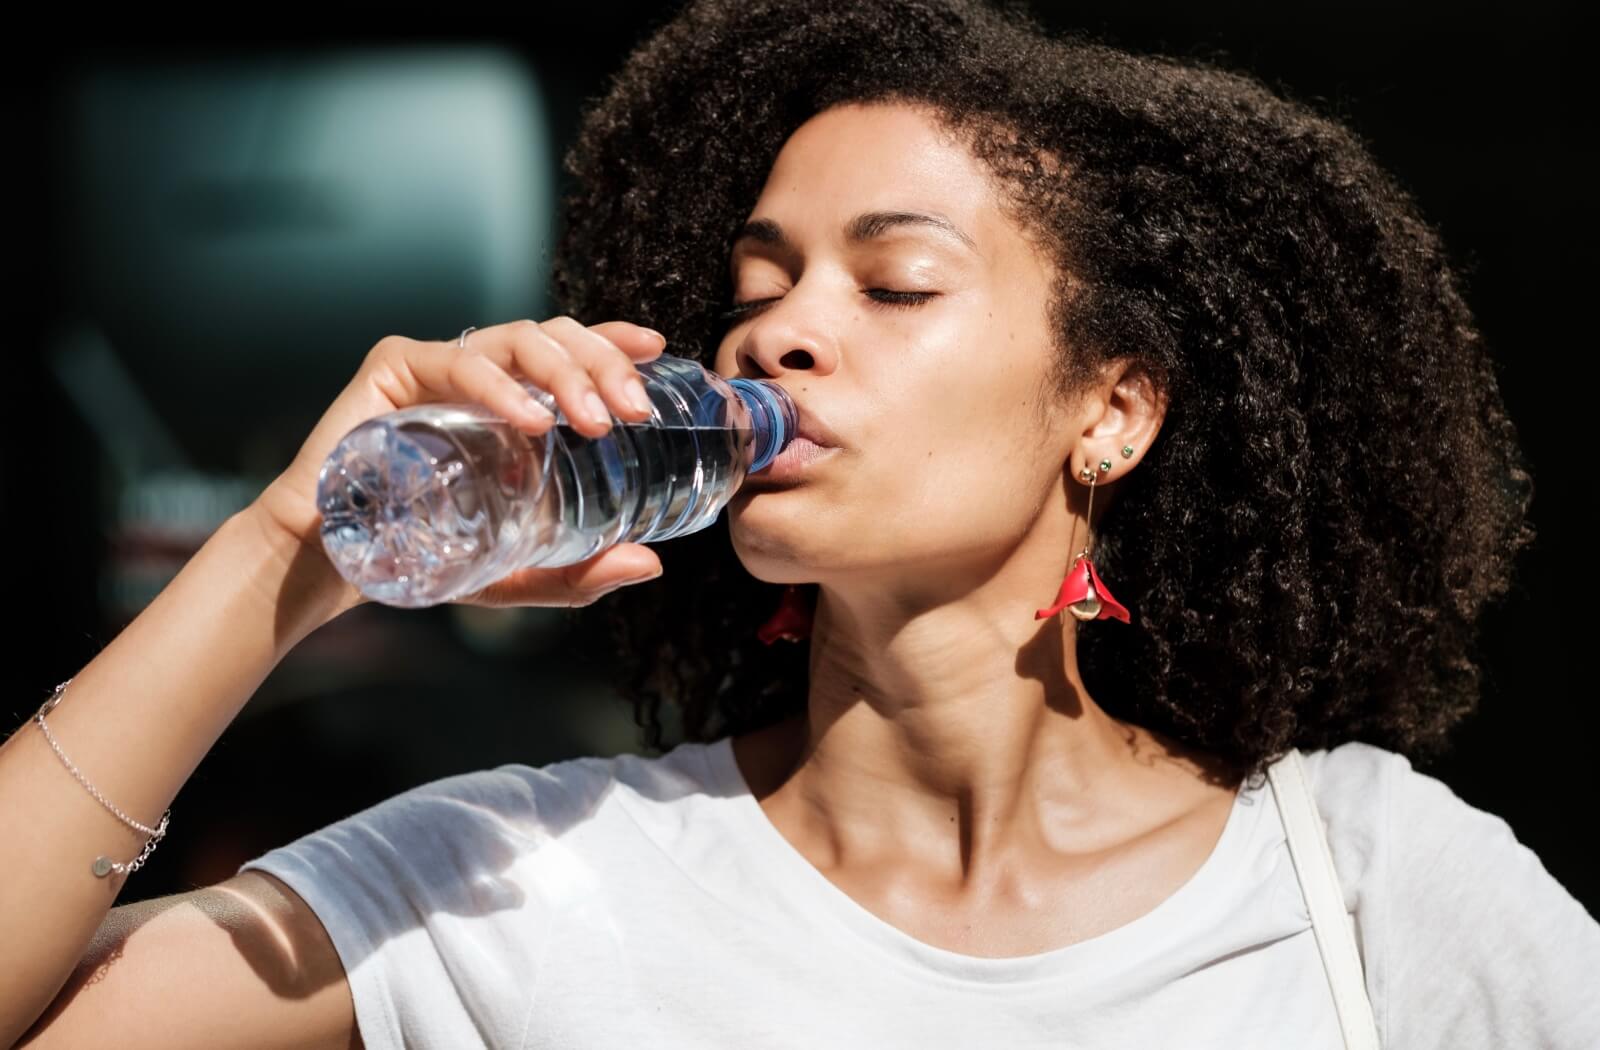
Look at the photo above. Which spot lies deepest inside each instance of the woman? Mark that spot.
(1042, 299)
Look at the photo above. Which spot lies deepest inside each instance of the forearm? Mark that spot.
(137, 720)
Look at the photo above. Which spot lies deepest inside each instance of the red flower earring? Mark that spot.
(792, 621)
(1082, 592)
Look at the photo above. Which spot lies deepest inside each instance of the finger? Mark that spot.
(636, 341)
(478, 373)
(621, 565)
(610, 370)
(500, 390)
(571, 585)
(553, 367)
(557, 359)
(494, 367)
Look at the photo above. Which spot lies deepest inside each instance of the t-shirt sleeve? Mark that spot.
(1486, 949)
(439, 938)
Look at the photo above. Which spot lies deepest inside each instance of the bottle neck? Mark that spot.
(773, 417)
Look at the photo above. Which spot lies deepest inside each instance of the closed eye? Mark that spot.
(882, 297)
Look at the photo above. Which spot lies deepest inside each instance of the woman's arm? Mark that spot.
(137, 720)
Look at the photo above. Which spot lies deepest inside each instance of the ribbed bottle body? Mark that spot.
(437, 501)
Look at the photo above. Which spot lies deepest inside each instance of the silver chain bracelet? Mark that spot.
(103, 865)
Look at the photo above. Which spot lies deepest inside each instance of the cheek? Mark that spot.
(968, 480)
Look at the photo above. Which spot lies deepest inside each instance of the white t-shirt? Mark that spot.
(610, 903)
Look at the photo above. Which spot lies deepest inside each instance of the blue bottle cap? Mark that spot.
(772, 415)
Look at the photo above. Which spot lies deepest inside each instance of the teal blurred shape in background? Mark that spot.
(259, 223)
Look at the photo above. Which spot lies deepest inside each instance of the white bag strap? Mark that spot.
(1333, 926)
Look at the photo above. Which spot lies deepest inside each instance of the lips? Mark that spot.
(812, 442)
(798, 458)
(814, 429)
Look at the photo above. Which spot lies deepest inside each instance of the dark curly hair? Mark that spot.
(1336, 490)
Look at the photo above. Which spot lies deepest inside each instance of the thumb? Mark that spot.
(579, 584)
(621, 564)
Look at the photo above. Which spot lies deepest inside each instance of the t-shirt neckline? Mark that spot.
(1165, 925)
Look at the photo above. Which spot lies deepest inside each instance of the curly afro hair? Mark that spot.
(1336, 491)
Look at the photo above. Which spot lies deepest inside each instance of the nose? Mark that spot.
(783, 340)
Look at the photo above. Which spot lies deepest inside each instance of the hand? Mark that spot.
(560, 356)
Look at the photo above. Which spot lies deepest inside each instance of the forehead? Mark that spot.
(878, 157)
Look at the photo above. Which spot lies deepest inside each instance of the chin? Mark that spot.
(782, 553)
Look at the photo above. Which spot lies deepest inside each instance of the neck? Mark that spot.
(961, 738)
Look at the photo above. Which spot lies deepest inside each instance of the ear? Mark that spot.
(1124, 409)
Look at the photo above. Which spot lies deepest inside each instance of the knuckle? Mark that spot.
(543, 338)
(388, 346)
(570, 577)
(560, 329)
(582, 337)
(572, 385)
(623, 372)
(495, 596)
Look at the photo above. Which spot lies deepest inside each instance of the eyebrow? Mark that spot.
(862, 228)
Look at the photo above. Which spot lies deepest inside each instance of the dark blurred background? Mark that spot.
(207, 235)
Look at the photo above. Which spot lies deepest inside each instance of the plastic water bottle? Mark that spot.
(437, 501)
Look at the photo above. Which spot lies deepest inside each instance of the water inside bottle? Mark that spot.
(435, 502)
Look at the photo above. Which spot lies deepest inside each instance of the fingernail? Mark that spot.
(596, 408)
(659, 337)
(536, 412)
(637, 397)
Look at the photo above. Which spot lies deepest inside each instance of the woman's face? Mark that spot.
(937, 405)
